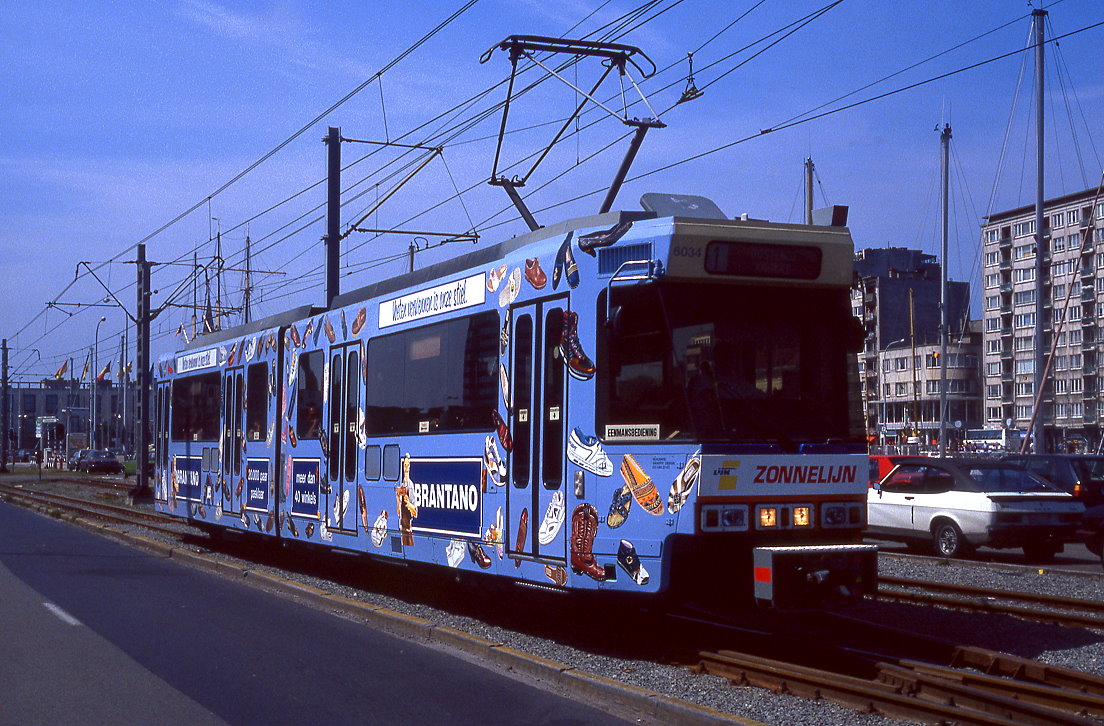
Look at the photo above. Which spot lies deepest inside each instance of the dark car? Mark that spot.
(1091, 531)
(97, 460)
(74, 460)
(1082, 475)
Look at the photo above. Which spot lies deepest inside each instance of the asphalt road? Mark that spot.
(95, 632)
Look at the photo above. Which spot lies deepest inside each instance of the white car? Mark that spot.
(958, 504)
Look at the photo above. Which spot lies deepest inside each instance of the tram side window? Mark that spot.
(308, 405)
(442, 377)
(195, 407)
(256, 401)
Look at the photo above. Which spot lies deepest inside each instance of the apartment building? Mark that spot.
(1071, 286)
(897, 300)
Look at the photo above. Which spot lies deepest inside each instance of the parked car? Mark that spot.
(75, 456)
(1091, 531)
(959, 504)
(1081, 475)
(97, 460)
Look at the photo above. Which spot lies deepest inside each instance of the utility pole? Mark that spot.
(248, 280)
(333, 214)
(1038, 429)
(142, 331)
(945, 143)
(5, 414)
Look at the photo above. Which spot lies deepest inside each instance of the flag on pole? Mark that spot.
(84, 373)
(61, 370)
(104, 372)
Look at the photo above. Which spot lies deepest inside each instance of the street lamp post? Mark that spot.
(885, 403)
(92, 403)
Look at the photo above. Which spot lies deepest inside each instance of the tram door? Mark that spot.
(230, 483)
(341, 440)
(535, 498)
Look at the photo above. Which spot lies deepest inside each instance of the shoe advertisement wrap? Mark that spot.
(581, 406)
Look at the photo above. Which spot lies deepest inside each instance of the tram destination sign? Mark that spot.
(751, 259)
(432, 301)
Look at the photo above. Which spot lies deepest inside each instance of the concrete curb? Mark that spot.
(613, 697)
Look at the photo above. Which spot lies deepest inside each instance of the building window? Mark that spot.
(992, 302)
(1023, 412)
(1025, 297)
(993, 391)
(992, 413)
(900, 389)
(991, 258)
(991, 237)
(1025, 366)
(900, 364)
(1021, 229)
(1023, 274)
(1076, 384)
(993, 346)
(991, 325)
(1025, 389)
(992, 369)
(1025, 320)
(1058, 244)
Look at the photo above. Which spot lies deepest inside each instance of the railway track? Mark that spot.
(1021, 692)
(93, 509)
(1068, 612)
(941, 682)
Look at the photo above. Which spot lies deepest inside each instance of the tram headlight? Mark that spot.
(768, 517)
(802, 516)
(724, 518)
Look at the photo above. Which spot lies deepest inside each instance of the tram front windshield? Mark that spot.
(716, 362)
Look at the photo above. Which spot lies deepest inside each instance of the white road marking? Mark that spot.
(64, 616)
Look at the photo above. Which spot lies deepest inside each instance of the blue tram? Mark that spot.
(619, 402)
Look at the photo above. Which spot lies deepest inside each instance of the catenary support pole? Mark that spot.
(333, 214)
(5, 413)
(143, 419)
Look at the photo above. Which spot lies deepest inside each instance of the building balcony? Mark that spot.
(1006, 331)
(1005, 242)
(1006, 353)
(1088, 294)
(1006, 376)
(1006, 287)
(1005, 265)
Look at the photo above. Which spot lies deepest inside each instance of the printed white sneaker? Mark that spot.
(496, 467)
(553, 519)
(684, 482)
(379, 529)
(587, 452)
(454, 552)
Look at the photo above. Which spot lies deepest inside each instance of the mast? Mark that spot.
(944, 328)
(809, 190)
(1038, 18)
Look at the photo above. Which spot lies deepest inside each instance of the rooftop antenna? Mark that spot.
(614, 55)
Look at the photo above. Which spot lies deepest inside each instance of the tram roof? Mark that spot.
(483, 256)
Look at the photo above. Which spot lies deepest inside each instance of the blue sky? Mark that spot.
(117, 117)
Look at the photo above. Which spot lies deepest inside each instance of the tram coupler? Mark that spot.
(807, 576)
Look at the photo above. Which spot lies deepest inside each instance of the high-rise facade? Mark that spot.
(897, 300)
(1071, 284)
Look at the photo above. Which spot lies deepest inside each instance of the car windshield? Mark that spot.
(99, 455)
(1007, 479)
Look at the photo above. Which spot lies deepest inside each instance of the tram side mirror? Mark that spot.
(613, 320)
